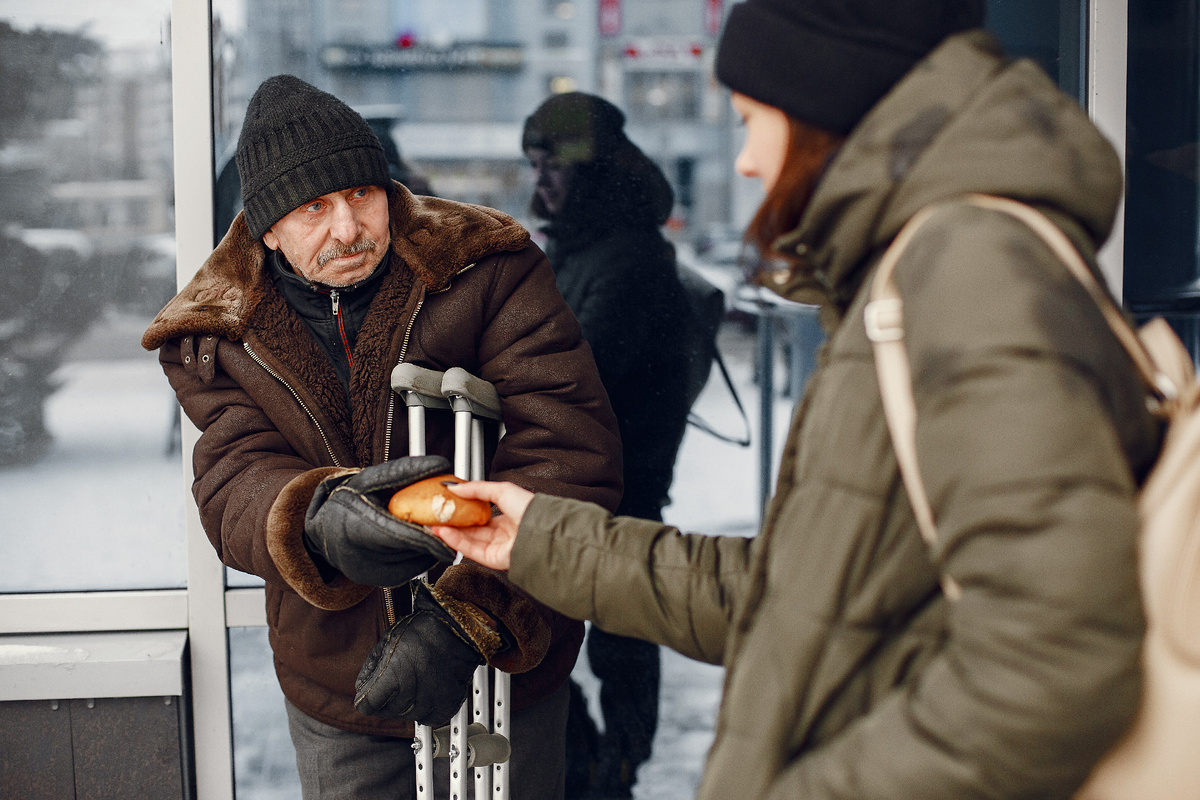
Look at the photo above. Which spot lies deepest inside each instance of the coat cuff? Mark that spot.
(478, 625)
(285, 544)
(491, 591)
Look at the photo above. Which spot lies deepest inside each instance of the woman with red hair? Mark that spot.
(850, 671)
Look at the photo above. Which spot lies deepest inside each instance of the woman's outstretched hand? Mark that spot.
(490, 545)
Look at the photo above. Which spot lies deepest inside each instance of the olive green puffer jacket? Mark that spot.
(848, 673)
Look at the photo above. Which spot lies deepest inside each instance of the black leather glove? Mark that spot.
(349, 527)
(421, 669)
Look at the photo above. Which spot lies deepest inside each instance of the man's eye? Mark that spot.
(315, 206)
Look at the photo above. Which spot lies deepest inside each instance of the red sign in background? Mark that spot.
(713, 12)
(610, 17)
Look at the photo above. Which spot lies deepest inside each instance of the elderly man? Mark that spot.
(280, 351)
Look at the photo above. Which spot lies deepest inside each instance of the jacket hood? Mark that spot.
(434, 238)
(964, 120)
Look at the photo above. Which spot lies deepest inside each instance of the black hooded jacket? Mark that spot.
(618, 274)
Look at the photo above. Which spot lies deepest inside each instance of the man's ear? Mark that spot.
(271, 240)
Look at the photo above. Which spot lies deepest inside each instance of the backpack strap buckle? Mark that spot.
(884, 320)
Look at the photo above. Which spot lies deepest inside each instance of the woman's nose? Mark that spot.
(744, 164)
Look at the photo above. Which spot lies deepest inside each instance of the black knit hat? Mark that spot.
(299, 143)
(576, 127)
(613, 176)
(827, 62)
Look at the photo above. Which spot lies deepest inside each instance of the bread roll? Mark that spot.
(429, 502)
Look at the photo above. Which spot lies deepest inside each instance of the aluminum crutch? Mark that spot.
(473, 401)
(420, 388)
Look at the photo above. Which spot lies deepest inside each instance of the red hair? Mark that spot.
(808, 151)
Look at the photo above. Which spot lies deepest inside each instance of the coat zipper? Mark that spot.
(389, 606)
(335, 301)
(389, 602)
(258, 360)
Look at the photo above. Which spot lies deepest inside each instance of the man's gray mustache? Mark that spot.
(340, 250)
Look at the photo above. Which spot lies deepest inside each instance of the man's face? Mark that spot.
(337, 239)
(552, 179)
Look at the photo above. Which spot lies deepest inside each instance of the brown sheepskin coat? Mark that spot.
(466, 288)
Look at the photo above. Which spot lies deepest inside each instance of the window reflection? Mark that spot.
(1050, 33)
(89, 463)
(1162, 213)
(461, 77)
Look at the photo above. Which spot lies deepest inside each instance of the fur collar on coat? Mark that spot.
(434, 238)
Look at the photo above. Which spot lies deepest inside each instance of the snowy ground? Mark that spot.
(111, 464)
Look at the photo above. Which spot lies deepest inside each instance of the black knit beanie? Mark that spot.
(616, 179)
(576, 127)
(299, 143)
(827, 62)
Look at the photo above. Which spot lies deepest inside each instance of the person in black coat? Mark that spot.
(604, 202)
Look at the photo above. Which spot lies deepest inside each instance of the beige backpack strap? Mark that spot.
(884, 321)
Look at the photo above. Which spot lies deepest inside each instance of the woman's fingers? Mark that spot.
(489, 545)
(477, 490)
(511, 499)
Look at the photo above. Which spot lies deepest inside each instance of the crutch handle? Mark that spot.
(487, 749)
(419, 385)
(442, 738)
(460, 385)
(483, 748)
